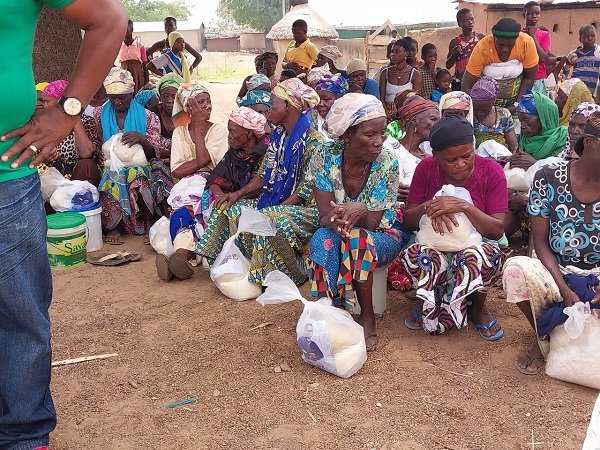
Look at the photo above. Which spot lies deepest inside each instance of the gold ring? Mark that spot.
(34, 149)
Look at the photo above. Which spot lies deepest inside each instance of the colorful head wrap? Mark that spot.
(185, 66)
(56, 88)
(355, 65)
(336, 84)
(317, 73)
(170, 80)
(41, 85)
(298, 94)
(249, 119)
(118, 82)
(450, 132)
(350, 110)
(257, 97)
(256, 80)
(585, 109)
(331, 52)
(486, 88)
(185, 92)
(411, 109)
(506, 28)
(144, 96)
(457, 100)
(527, 105)
(577, 93)
(173, 36)
(404, 96)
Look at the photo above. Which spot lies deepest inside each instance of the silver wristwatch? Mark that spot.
(70, 105)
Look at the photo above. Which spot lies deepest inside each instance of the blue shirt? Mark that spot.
(587, 67)
(371, 87)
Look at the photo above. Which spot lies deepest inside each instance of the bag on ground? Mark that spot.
(50, 180)
(74, 195)
(327, 336)
(592, 439)
(231, 268)
(462, 237)
(574, 351)
(160, 237)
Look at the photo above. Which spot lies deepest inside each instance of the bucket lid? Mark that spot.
(63, 220)
(90, 207)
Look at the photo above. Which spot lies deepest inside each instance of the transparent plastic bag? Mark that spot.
(50, 180)
(492, 149)
(327, 336)
(160, 237)
(74, 195)
(463, 236)
(231, 268)
(118, 155)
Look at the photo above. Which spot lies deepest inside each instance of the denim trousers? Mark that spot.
(27, 414)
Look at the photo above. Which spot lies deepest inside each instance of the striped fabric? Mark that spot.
(587, 67)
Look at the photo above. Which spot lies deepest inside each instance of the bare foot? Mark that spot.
(146, 239)
(370, 328)
(532, 362)
(113, 238)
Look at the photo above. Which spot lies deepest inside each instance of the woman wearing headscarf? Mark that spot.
(173, 60)
(167, 88)
(316, 73)
(129, 197)
(356, 181)
(78, 153)
(247, 146)
(563, 205)
(284, 187)
(492, 122)
(447, 281)
(457, 103)
(357, 75)
(329, 88)
(259, 101)
(198, 144)
(579, 118)
(266, 65)
(328, 55)
(571, 93)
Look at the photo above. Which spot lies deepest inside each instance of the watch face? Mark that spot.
(72, 106)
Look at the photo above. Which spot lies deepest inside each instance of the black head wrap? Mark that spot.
(506, 28)
(449, 132)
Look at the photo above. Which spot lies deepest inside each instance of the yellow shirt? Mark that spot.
(485, 53)
(304, 55)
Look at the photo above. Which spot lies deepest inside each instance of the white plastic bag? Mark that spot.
(117, 155)
(574, 351)
(160, 237)
(231, 268)
(74, 195)
(50, 180)
(492, 149)
(187, 192)
(530, 173)
(592, 439)
(327, 336)
(463, 236)
(515, 179)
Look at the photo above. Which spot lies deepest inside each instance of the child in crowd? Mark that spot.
(428, 70)
(443, 81)
(411, 57)
(300, 54)
(462, 46)
(586, 59)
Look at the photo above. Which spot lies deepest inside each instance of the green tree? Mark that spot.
(257, 14)
(156, 10)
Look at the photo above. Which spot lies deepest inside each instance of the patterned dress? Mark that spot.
(294, 224)
(67, 151)
(504, 124)
(336, 262)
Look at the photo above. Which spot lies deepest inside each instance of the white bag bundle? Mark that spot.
(160, 237)
(328, 337)
(63, 197)
(574, 351)
(187, 192)
(117, 155)
(463, 236)
(592, 439)
(530, 173)
(231, 268)
(492, 149)
(515, 179)
(50, 180)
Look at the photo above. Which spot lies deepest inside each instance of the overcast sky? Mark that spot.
(360, 12)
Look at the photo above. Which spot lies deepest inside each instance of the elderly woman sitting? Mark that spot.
(541, 138)
(225, 184)
(457, 103)
(329, 88)
(563, 205)
(447, 282)
(167, 88)
(356, 181)
(284, 186)
(579, 118)
(198, 144)
(128, 196)
(256, 82)
(571, 93)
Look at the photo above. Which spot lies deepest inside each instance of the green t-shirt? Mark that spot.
(17, 99)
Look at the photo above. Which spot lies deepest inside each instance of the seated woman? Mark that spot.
(492, 122)
(579, 118)
(258, 81)
(571, 93)
(266, 64)
(541, 138)
(328, 55)
(447, 282)
(78, 153)
(129, 199)
(167, 88)
(357, 75)
(356, 180)
(457, 103)
(259, 101)
(565, 234)
(284, 187)
(247, 146)
(173, 60)
(198, 144)
(329, 88)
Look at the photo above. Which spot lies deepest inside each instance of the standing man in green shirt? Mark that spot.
(27, 138)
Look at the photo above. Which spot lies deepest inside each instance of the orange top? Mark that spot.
(485, 53)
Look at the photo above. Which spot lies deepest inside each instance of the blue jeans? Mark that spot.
(27, 414)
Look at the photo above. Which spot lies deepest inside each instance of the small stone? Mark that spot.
(314, 385)
(133, 384)
(277, 369)
(285, 367)
(216, 393)
(378, 404)
(527, 414)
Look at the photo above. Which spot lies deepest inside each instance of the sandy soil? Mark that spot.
(184, 339)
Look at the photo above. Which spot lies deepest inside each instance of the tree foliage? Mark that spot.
(260, 15)
(156, 10)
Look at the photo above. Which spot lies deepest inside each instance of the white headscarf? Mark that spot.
(350, 110)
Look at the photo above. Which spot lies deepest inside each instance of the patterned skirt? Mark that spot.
(284, 251)
(335, 262)
(160, 179)
(444, 280)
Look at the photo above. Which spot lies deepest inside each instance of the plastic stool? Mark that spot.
(379, 291)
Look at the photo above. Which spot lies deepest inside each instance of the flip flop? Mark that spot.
(410, 324)
(113, 259)
(162, 268)
(524, 370)
(494, 337)
(179, 266)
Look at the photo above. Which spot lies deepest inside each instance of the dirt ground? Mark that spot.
(185, 339)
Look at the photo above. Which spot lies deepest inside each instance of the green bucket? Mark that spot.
(66, 241)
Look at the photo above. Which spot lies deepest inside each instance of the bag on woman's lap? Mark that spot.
(462, 237)
(118, 155)
(231, 268)
(327, 336)
(574, 348)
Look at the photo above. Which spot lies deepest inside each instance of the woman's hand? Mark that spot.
(230, 198)
(444, 223)
(570, 298)
(446, 205)
(132, 138)
(403, 192)
(522, 160)
(197, 111)
(346, 216)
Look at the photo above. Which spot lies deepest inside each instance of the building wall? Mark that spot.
(223, 45)
(252, 41)
(563, 24)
